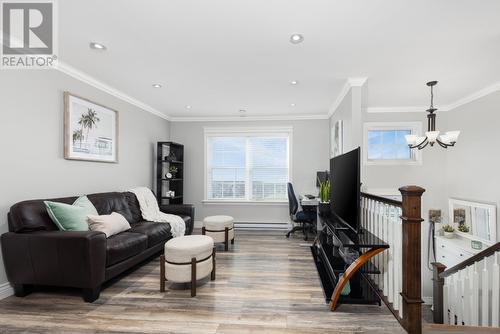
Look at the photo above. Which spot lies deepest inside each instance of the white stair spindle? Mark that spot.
(466, 301)
(458, 297)
(495, 291)
(385, 258)
(485, 289)
(451, 293)
(446, 297)
(400, 250)
(475, 296)
(390, 276)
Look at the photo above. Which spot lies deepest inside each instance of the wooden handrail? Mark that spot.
(478, 257)
(382, 199)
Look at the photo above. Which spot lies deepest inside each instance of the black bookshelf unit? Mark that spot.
(170, 156)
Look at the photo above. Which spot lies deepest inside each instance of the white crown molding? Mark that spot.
(6, 290)
(394, 109)
(474, 96)
(88, 79)
(351, 82)
(448, 107)
(357, 82)
(248, 118)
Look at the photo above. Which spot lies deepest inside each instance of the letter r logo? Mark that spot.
(28, 28)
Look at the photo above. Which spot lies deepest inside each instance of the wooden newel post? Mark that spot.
(438, 283)
(412, 285)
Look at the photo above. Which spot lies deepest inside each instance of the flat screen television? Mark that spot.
(345, 191)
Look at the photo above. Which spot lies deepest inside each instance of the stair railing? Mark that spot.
(397, 223)
(468, 294)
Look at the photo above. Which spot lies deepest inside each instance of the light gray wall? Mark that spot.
(309, 154)
(375, 178)
(429, 176)
(472, 169)
(32, 163)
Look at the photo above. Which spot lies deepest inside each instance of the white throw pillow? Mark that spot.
(109, 224)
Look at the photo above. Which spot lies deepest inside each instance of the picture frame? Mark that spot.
(90, 130)
(336, 139)
(480, 217)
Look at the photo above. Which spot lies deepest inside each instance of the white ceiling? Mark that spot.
(220, 56)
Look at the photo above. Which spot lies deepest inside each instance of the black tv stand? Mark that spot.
(342, 256)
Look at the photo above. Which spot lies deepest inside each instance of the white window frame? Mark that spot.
(416, 129)
(245, 132)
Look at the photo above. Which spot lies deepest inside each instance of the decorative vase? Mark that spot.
(324, 208)
(449, 235)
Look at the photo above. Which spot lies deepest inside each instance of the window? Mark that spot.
(385, 143)
(247, 165)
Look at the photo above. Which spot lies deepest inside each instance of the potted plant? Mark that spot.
(448, 231)
(463, 228)
(173, 171)
(324, 197)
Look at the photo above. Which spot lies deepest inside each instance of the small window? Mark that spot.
(385, 143)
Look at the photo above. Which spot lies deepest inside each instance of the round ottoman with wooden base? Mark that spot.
(187, 259)
(220, 228)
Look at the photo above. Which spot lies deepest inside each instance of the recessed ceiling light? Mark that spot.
(188, 107)
(292, 104)
(156, 85)
(296, 38)
(294, 82)
(97, 46)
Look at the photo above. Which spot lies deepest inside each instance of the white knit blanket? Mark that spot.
(151, 211)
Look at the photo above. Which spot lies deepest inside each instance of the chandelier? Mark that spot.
(432, 135)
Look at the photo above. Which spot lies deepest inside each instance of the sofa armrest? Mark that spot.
(74, 259)
(181, 210)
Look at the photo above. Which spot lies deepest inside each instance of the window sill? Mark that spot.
(393, 162)
(242, 202)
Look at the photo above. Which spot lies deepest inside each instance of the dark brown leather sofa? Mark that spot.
(35, 252)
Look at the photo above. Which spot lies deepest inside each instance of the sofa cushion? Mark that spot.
(123, 245)
(71, 217)
(107, 203)
(155, 232)
(108, 224)
(32, 215)
(134, 207)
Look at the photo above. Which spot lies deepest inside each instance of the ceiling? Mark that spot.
(219, 56)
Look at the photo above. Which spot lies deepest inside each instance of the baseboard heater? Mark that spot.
(261, 226)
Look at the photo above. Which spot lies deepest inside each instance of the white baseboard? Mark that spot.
(6, 290)
(248, 224)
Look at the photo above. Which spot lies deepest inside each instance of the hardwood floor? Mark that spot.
(265, 284)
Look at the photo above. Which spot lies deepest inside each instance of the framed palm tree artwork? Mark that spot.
(90, 130)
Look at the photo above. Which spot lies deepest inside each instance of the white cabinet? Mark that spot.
(451, 252)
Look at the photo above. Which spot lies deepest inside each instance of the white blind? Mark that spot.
(245, 166)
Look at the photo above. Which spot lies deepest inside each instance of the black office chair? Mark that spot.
(303, 218)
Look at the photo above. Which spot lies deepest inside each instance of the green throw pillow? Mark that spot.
(71, 217)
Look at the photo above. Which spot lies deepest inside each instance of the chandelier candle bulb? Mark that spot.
(453, 136)
(411, 139)
(432, 136)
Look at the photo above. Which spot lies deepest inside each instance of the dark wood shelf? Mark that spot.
(175, 197)
(169, 150)
(172, 162)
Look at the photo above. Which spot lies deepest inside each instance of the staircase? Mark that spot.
(441, 328)
(467, 296)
